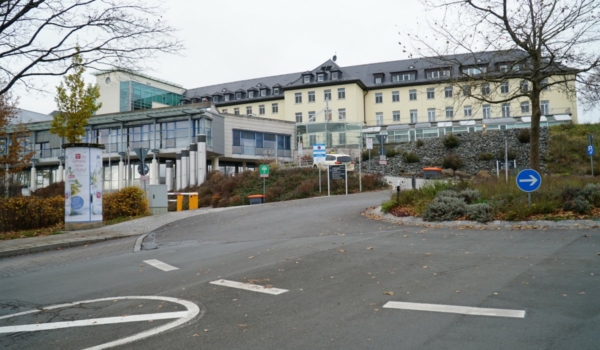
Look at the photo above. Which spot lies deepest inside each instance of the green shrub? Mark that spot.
(448, 193)
(388, 205)
(591, 192)
(451, 141)
(26, 213)
(452, 161)
(486, 156)
(512, 154)
(391, 152)
(445, 209)
(578, 205)
(470, 195)
(130, 201)
(411, 157)
(481, 212)
(523, 136)
(420, 143)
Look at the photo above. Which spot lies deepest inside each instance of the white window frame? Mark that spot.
(261, 109)
(379, 118)
(545, 107)
(412, 95)
(448, 92)
(327, 95)
(312, 117)
(320, 78)
(487, 111)
(396, 116)
(525, 107)
(342, 114)
(335, 75)
(430, 93)
(506, 110)
(226, 97)
(238, 95)
(306, 79)
(248, 110)
(378, 79)
(414, 116)
(299, 117)
(378, 97)
(341, 93)
(485, 89)
(311, 96)
(298, 97)
(275, 91)
(449, 112)
(236, 111)
(275, 108)
(395, 96)
(431, 115)
(251, 94)
(468, 111)
(263, 92)
(504, 87)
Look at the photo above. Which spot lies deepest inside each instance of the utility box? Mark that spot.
(432, 173)
(158, 200)
(256, 199)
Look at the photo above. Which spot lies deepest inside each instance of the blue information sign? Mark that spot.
(529, 180)
(590, 150)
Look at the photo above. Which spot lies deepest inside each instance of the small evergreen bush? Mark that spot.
(486, 156)
(420, 143)
(451, 141)
(481, 212)
(578, 205)
(391, 152)
(470, 195)
(129, 201)
(448, 193)
(523, 136)
(512, 154)
(452, 161)
(445, 209)
(591, 192)
(388, 205)
(411, 157)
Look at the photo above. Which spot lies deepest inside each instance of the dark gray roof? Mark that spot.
(365, 72)
(26, 116)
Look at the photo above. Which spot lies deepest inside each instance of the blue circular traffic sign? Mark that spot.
(529, 180)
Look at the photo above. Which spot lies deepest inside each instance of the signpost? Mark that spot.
(591, 151)
(336, 172)
(319, 157)
(264, 173)
(529, 180)
(382, 137)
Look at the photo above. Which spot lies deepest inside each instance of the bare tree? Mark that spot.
(40, 37)
(13, 154)
(510, 50)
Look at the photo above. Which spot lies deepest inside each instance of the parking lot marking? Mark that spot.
(465, 310)
(250, 287)
(92, 322)
(180, 318)
(160, 265)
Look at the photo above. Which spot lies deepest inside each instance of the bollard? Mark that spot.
(398, 194)
(193, 204)
(179, 202)
(414, 182)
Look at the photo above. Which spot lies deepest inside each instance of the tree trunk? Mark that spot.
(534, 136)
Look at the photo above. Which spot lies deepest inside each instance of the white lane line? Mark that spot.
(138, 243)
(92, 322)
(160, 265)
(250, 287)
(465, 310)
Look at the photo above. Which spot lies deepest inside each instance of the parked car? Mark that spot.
(336, 159)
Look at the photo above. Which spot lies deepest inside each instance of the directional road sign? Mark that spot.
(264, 170)
(590, 150)
(529, 180)
(369, 143)
(319, 152)
(337, 172)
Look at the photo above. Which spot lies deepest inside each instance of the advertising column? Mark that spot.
(83, 187)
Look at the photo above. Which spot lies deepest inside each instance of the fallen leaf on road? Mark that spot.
(428, 254)
(370, 248)
(251, 257)
(206, 330)
(388, 293)
(458, 291)
(341, 250)
(196, 335)
(564, 295)
(581, 293)
(425, 267)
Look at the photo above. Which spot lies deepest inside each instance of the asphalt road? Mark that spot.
(338, 268)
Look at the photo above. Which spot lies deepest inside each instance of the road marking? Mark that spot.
(160, 265)
(138, 243)
(465, 310)
(250, 287)
(182, 317)
(92, 322)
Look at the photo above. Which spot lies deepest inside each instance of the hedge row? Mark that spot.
(27, 213)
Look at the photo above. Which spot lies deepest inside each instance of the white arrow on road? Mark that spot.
(532, 180)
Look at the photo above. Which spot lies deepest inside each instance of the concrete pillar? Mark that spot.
(193, 164)
(33, 180)
(201, 159)
(169, 175)
(154, 172)
(178, 171)
(121, 175)
(244, 168)
(60, 173)
(215, 164)
(185, 159)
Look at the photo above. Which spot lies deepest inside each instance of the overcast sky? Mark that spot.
(229, 40)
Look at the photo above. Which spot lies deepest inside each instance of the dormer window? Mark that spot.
(379, 79)
(403, 76)
(472, 71)
(275, 91)
(263, 92)
(216, 98)
(320, 77)
(306, 79)
(503, 68)
(250, 94)
(335, 75)
(238, 95)
(226, 97)
(438, 73)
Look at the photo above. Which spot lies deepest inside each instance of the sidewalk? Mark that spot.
(69, 239)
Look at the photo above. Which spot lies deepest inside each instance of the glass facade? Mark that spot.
(135, 96)
(261, 143)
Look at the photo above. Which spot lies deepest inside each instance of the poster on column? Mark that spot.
(83, 184)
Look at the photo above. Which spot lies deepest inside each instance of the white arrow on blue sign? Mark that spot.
(529, 180)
